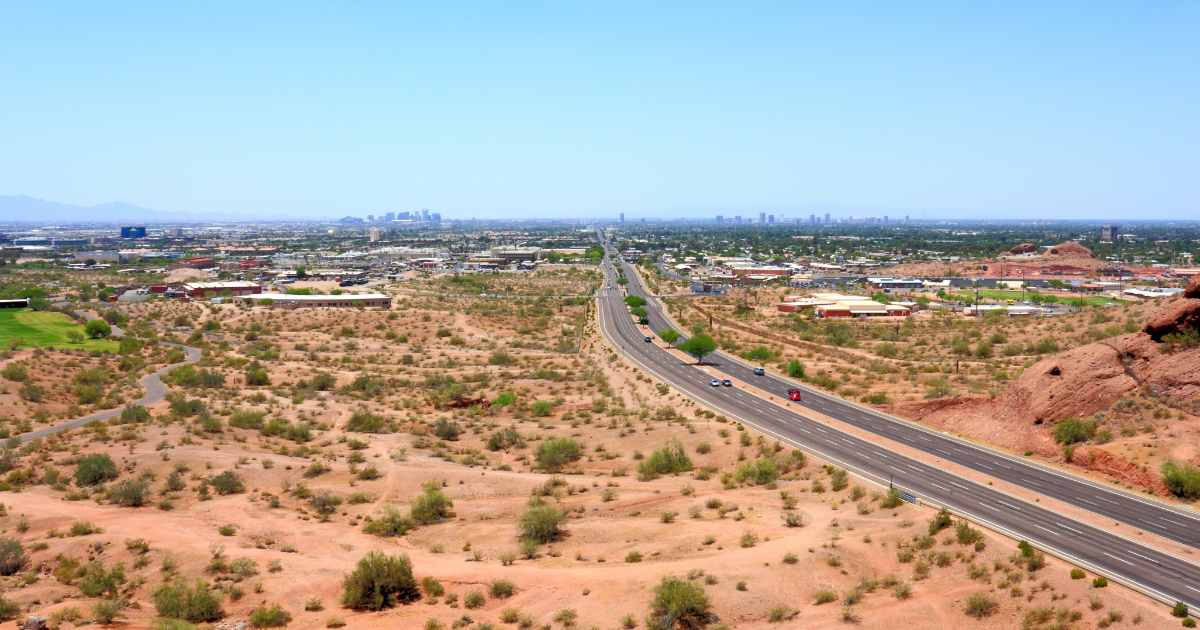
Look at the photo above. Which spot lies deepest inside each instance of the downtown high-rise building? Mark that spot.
(827, 219)
(720, 219)
(622, 220)
(762, 218)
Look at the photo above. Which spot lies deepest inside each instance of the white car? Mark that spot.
(716, 382)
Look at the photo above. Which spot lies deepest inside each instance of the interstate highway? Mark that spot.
(1160, 575)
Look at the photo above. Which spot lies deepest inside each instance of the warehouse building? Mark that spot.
(204, 290)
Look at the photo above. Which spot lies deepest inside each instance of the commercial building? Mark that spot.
(342, 300)
(133, 231)
(203, 290)
(837, 305)
(895, 284)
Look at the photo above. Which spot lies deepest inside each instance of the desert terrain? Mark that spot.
(532, 478)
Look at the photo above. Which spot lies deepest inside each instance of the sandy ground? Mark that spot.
(622, 534)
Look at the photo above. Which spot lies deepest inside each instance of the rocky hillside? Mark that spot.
(1161, 363)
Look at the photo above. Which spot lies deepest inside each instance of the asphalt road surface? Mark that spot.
(1164, 576)
(156, 390)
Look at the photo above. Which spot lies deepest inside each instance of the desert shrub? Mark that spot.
(795, 369)
(380, 581)
(431, 587)
(502, 589)
(979, 605)
(1078, 574)
(325, 503)
(431, 506)
(679, 604)
(759, 472)
(16, 372)
(1183, 480)
(824, 597)
(446, 429)
(474, 599)
(390, 523)
(1180, 610)
(366, 422)
(12, 556)
(256, 375)
(194, 602)
(838, 479)
(134, 414)
(1074, 430)
(244, 419)
(940, 521)
(8, 610)
(95, 469)
(106, 611)
(967, 535)
(95, 580)
(273, 616)
(227, 482)
(541, 408)
(668, 460)
(555, 453)
(541, 523)
(129, 493)
(505, 439)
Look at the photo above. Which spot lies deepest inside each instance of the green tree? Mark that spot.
(669, 335)
(97, 329)
(699, 346)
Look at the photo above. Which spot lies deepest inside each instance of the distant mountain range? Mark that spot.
(25, 209)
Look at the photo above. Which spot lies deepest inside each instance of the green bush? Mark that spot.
(95, 469)
(555, 453)
(366, 422)
(447, 429)
(759, 472)
(1180, 610)
(1074, 430)
(97, 329)
(1183, 480)
(129, 493)
(134, 414)
(96, 581)
(431, 506)
(256, 375)
(940, 521)
(502, 589)
(12, 556)
(194, 602)
(8, 610)
(227, 482)
(273, 616)
(795, 369)
(668, 460)
(541, 408)
(679, 604)
(244, 419)
(541, 523)
(505, 439)
(380, 581)
(389, 524)
(106, 611)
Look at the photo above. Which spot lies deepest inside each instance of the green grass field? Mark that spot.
(38, 329)
(1001, 295)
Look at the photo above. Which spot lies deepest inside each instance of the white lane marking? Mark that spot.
(1193, 588)
(1106, 499)
(1116, 558)
(1146, 558)
(1171, 521)
(911, 467)
(958, 485)
(1045, 529)
(1069, 528)
(937, 485)
(883, 455)
(943, 453)
(1008, 504)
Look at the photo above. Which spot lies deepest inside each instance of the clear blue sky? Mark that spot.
(1077, 110)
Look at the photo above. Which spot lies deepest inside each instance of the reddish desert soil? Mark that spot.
(269, 544)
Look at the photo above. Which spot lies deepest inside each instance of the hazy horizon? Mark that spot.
(235, 112)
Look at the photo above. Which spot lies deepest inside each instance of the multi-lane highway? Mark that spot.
(1164, 576)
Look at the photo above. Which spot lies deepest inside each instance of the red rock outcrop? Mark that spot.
(1023, 248)
(1071, 248)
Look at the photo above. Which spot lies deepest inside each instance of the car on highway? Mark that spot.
(716, 382)
(647, 339)
(759, 371)
(727, 383)
(793, 394)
